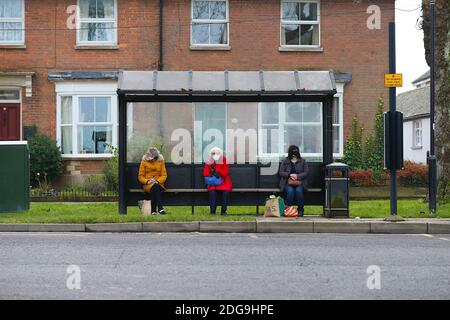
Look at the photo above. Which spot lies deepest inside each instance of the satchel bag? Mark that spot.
(213, 181)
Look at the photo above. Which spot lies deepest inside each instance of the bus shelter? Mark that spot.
(252, 115)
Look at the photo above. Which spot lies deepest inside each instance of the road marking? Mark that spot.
(445, 239)
(253, 236)
(427, 235)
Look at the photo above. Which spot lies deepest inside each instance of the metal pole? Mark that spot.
(392, 109)
(122, 154)
(432, 157)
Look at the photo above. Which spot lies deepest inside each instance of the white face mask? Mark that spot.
(216, 157)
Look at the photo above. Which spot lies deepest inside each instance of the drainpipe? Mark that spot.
(160, 62)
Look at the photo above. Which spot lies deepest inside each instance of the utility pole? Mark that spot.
(432, 155)
(392, 110)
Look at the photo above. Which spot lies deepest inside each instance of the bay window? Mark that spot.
(86, 123)
(97, 22)
(12, 25)
(300, 23)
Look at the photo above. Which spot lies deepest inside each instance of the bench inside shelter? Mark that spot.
(185, 185)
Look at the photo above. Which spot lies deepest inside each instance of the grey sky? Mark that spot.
(410, 49)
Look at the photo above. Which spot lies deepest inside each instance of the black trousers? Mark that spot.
(213, 195)
(155, 196)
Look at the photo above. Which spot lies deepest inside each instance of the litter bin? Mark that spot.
(337, 190)
(14, 176)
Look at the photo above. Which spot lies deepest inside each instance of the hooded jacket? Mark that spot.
(152, 169)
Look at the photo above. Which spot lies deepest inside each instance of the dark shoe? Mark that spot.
(301, 213)
(162, 211)
(223, 213)
(213, 213)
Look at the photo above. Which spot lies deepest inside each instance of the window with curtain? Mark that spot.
(209, 25)
(12, 22)
(97, 22)
(86, 124)
(300, 23)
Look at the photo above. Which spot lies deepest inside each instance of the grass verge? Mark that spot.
(107, 212)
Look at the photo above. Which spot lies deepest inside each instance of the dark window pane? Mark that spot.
(308, 11)
(311, 111)
(102, 109)
(9, 94)
(310, 35)
(290, 34)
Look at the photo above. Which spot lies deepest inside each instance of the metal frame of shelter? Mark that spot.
(222, 86)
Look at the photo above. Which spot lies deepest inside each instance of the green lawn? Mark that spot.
(107, 212)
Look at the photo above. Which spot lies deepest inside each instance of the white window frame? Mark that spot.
(299, 22)
(417, 132)
(281, 129)
(82, 90)
(22, 20)
(96, 20)
(340, 96)
(208, 21)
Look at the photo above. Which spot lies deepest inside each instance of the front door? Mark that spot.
(9, 121)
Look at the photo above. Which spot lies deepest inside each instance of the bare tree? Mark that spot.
(442, 66)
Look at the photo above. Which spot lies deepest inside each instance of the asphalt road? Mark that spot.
(223, 266)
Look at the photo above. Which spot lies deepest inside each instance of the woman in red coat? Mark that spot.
(217, 166)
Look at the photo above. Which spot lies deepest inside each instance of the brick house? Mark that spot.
(59, 59)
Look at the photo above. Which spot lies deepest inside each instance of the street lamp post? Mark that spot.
(432, 156)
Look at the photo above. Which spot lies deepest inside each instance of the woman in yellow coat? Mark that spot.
(152, 175)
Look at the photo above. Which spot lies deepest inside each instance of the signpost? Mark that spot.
(393, 125)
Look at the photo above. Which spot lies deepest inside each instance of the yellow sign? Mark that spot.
(393, 80)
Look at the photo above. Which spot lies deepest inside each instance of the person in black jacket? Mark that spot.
(293, 174)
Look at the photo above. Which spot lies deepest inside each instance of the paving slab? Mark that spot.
(404, 227)
(284, 226)
(228, 226)
(171, 226)
(439, 227)
(53, 227)
(341, 227)
(13, 227)
(114, 227)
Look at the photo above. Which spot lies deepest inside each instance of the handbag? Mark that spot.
(213, 181)
(294, 183)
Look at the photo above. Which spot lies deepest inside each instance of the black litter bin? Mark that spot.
(337, 191)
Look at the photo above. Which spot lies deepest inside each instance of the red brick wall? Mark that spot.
(348, 46)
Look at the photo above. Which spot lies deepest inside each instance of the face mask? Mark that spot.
(216, 157)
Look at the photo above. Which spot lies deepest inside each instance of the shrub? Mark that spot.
(361, 178)
(374, 146)
(95, 185)
(353, 154)
(111, 170)
(414, 175)
(46, 163)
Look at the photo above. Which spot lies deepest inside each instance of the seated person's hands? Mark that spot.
(293, 176)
